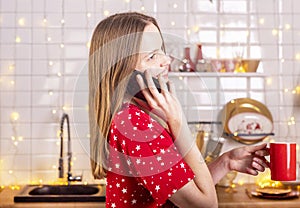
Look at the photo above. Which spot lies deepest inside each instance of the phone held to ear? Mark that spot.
(133, 87)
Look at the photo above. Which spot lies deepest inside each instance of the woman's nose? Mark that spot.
(166, 60)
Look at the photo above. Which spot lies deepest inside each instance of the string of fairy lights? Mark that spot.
(14, 116)
(57, 103)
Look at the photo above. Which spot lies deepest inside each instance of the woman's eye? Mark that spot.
(151, 56)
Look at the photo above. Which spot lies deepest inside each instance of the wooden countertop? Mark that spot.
(239, 198)
(7, 201)
(227, 199)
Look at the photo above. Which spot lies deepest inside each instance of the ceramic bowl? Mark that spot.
(250, 65)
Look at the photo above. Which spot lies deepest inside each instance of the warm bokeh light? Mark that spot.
(14, 116)
(11, 67)
(274, 32)
(264, 180)
(106, 13)
(18, 39)
(261, 21)
(88, 44)
(269, 81)
(21, 21)
(298, 89)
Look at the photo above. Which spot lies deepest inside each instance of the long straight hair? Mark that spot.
(113, 56)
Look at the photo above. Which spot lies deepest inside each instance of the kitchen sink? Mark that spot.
(62, 193)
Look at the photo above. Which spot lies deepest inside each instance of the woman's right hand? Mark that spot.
(164, 103)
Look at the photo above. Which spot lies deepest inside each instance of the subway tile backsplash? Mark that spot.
(43, 70)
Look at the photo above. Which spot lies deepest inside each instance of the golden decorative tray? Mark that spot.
(247, 120)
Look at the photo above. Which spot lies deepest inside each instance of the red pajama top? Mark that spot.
(144, 166)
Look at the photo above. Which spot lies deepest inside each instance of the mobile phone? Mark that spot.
(133, 87)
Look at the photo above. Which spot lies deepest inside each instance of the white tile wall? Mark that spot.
(49, 79)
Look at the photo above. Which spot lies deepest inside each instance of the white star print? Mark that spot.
(157, 188)
(125, 138)
(182, 165)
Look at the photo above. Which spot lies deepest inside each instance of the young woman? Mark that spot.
(141, 141)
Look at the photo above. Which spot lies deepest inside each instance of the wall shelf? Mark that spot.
(215, 74)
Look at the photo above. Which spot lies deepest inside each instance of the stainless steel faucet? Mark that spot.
(69, 154)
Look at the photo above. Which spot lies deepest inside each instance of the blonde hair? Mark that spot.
(112, 58)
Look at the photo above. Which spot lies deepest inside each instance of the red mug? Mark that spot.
(283, 161)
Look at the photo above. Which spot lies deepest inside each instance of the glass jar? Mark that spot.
(202, 65)
(187, 63)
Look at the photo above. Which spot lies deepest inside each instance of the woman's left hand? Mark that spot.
(249, 159)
